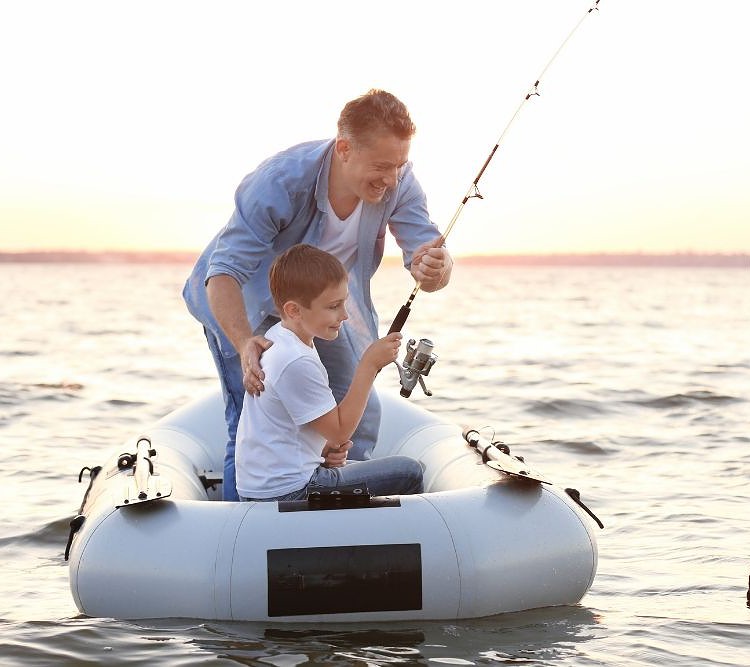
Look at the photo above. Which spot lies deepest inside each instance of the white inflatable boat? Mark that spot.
(488, 535)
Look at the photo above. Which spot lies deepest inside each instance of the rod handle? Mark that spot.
(400, 319)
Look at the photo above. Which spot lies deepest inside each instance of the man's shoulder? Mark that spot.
(298, 159)
(292, 170)
(313, 149)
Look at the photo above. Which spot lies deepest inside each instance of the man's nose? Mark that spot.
(391, 178)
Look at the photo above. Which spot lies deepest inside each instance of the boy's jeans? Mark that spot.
(391, 475)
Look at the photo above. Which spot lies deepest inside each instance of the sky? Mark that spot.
(129, 125)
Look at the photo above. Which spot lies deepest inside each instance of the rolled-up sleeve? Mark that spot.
(410, 221)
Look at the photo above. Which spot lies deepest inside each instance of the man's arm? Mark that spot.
(228, 307)
(424, 249)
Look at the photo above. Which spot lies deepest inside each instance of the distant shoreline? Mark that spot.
(718, 260)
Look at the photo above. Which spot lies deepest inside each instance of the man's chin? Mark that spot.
(374, 196)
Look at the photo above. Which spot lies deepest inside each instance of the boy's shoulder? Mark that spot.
(285, 351)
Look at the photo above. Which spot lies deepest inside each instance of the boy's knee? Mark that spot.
(414, 474)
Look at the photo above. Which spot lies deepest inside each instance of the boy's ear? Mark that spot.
(291, 310)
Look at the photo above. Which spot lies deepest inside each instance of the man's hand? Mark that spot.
(252, 373)
(226, 303)
(335, 454)
(431, 265)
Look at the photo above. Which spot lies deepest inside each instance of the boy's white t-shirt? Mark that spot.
(277, 451)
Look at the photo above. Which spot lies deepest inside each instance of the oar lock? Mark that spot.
(418, 361)
(142, 483)
(127, 461)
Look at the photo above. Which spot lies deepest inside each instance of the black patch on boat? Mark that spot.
(344, 579)
(341, 504)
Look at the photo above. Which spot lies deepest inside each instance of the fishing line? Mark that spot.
(473, 191)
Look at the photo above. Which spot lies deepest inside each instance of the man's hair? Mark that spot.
(373, 113)
(302, 273)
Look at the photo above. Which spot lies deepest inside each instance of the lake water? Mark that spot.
(629, 384)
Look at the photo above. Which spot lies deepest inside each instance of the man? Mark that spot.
(338, 195)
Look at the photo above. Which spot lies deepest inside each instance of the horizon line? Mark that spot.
(602, 258)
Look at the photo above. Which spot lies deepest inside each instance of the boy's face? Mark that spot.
(325, 315)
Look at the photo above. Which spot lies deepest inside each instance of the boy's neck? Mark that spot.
(290, 325)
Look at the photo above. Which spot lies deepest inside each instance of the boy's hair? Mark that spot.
(372, 113)
(301, 273)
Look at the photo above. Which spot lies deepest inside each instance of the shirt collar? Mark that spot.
(321, 186)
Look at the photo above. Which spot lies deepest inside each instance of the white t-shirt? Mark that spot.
(277, 451)
(339, 237)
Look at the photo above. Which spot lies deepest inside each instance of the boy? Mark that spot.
(283, 432)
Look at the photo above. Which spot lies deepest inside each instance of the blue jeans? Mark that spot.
(340, 362)
(391, 475)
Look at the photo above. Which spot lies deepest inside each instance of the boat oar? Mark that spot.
(497, 456)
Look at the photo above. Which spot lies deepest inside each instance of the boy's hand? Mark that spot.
(335, 453)
(382, 352)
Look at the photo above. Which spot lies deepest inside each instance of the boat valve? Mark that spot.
(418, 361)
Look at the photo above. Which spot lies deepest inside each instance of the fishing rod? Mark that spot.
(473, 191)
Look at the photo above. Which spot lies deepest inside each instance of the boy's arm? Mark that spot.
(338, 424)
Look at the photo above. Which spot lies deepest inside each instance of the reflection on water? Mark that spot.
(534, 636)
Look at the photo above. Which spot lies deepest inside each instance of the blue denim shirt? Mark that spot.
(283, 202)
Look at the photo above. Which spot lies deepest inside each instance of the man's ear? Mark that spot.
(343, 148)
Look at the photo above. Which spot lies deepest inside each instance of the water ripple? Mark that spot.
(566, 407)
(687, 399)
(580, 446)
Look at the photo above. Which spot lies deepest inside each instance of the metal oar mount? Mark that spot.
(497, 456)
(142, 484)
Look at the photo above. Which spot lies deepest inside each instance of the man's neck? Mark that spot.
(342, 200)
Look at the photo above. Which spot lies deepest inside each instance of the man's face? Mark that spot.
(372, 167)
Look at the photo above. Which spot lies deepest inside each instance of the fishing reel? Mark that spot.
(417, 363)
